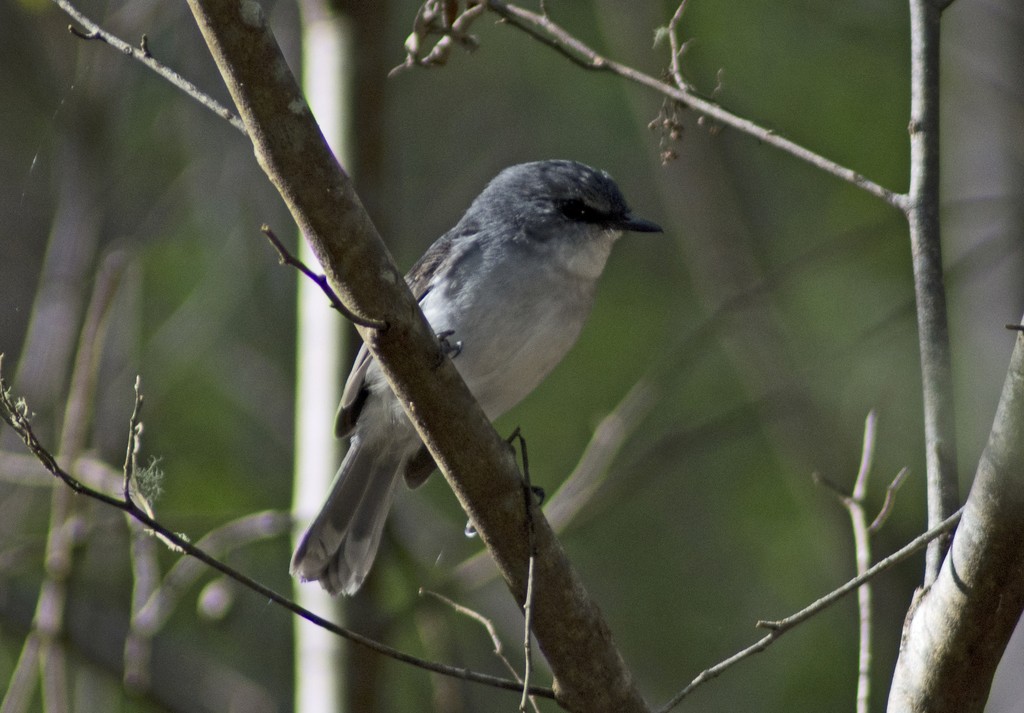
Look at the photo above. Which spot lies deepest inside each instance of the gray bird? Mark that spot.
(509, 287)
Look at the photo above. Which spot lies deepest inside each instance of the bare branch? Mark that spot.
(546, 31)
(570, 629)
(528, 504)
(958, 628)
(131, 457)
(434, 18)
(676, 48)
(17, 419)
(932, 323)
(543, 29)
(142, 54)
(890, 501)
(320, 281)
(854, 504)
(492, 632)
(781, 626)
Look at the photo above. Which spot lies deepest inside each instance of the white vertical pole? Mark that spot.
(326, 80)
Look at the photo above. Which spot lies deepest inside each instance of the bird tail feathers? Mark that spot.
(339, 546)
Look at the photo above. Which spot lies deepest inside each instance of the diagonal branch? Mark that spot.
(589, 670)
(920, 205)
(15, 414)
(142, 54)
(545, 30)
(286, 258)
(781, 626)
(488, 625)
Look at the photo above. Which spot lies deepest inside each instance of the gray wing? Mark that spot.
(445, 250)
(354, 395)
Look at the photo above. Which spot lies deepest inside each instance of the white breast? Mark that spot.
(515, 325)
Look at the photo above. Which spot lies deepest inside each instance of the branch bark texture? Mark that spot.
(933, 332)
(590, 673)
(956, 634)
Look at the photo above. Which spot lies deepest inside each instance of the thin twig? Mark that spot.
(675, 48)
(780, 627)
(15, 416)
(889, 502)
(142, 54)
(528, 495)
(854, 505)
(131, 457)
(544, 30)
(862, 558)
(909, 549)
(527, 624)
(321, 281)
(492, 632)
(154, 599)
(432, 20)
(547, 32)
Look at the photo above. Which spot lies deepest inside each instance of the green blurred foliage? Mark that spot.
(708, 520)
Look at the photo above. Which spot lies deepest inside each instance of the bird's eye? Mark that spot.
(579, 211)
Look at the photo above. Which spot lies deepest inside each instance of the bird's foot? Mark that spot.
(450, 349)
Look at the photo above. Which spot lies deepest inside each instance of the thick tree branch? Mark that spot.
(958, 628)
(590, 673)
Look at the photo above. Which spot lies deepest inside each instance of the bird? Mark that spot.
(508, 290)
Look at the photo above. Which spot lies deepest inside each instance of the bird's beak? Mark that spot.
(639, 225)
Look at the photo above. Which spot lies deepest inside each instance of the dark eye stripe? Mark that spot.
(575, 209)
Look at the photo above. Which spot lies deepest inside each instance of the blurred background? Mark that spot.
(742, 350)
